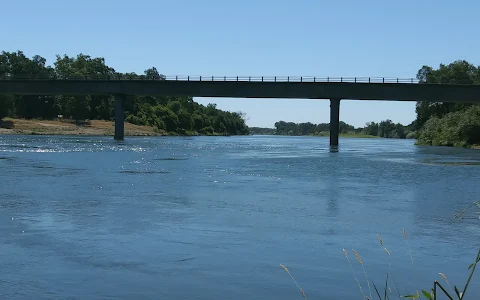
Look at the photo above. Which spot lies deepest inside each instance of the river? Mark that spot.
(214, 217)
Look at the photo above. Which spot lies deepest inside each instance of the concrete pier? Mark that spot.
(334, 121)
(119, 116)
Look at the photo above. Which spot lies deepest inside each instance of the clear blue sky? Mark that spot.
(276, 37)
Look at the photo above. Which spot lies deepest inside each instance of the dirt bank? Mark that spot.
(67, 127)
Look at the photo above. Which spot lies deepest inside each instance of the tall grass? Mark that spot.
(437, 288)
(432, 294)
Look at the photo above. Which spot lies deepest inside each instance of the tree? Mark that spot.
(448, 124)
(371, 128)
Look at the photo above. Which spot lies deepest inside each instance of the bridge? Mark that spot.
(334, 89)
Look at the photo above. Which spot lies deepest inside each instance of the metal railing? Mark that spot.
(233, 78)
(293, 79)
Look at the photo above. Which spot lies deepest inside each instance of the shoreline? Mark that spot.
(10, 126)
(67, 127)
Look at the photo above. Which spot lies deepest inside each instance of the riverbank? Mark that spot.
(346, 135)
(68, 127)
(90, 127)
(99, 128)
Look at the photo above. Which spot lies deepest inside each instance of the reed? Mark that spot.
(291, 276)
(360, 261)
(354, 276)
(432, 294)
(437, 288)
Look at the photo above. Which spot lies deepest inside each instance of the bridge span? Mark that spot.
(334, 89)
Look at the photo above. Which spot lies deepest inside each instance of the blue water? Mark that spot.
(214, 217)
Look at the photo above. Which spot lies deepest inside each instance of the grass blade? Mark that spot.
(436, 283)
(386, 288)
(427, 295)
(360, 261)
(396, 286)
(411, 296)
(457, 292)
(471, 274)
(375, 287)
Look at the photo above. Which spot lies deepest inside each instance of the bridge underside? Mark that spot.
(334, 119)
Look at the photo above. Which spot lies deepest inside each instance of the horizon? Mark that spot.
(372, 39)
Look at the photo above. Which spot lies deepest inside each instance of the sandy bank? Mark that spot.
(67, 127)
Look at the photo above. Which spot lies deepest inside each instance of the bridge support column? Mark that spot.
(334, 121)
(119, 116)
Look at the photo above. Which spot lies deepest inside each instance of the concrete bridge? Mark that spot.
(334, 89)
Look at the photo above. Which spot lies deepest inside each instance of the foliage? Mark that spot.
(385, 128)
(458, 129)
(448, 124)
(262, 130)
(388, 129)
(291, 128)
(179, 115)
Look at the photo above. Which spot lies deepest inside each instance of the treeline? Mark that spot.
(291, 128)
(262, 130)
(175, 115)
(385, 128)
(388, 129)
(448, 124)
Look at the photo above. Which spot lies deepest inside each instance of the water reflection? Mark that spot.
(332, 193)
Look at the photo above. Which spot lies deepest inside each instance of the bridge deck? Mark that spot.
(300, 88)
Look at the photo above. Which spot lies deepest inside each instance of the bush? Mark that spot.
(458, 129)
(412, 135)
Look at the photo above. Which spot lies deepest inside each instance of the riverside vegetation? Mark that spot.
(167, 115)
(387, 290)
(386, 129)
(383, 294)
(448, 124)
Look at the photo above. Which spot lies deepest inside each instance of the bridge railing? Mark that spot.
(215, 78)
(230, 78)
(293, 79)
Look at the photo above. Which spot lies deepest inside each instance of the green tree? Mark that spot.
(448, 124)
(371, 128)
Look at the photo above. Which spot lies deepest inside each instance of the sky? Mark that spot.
(349, 38)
